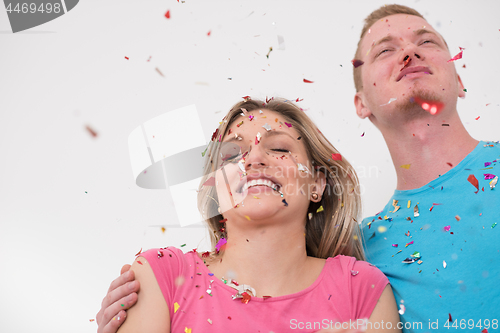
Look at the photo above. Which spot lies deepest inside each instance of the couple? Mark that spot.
(281, 210)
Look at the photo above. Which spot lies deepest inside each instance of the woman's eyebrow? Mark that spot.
(266, 134)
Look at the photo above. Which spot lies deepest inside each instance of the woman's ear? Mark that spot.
(318, 186)
(361, 109)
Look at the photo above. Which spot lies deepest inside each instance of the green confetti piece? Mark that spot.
(465, 90)
(493, 225)
(183, 245)
(122, 304)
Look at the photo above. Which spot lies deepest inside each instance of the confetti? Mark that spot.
(457, 217)
(405, 166)
(354, 273)
(251, 117)
(183, 245)
(284, 201)
(270, 50)
(287, 124)
(209, 33)
(140, 251)
(484, 331)
(449, 317)
(447, 228)
(432, 106)
(408, 243)
(493, 225)
(160, 254)
(308, 81)
(416, 255)
(473, 180)
(126, 58)
(320, 209)
(415, 211)
(382, 229)
(444, 264)
(163, 229)
(362, 135)
(176, 307)
(257, 138)
(409, 261)
(247, 217)
(209, 321)
(266, 127)
(337, 157)
(395, 205)
(220, 244)
(187, 330)
(167, 14)
(493, 182)
(91, 131)
(458, 56)
(246, 298)
(477, 118)
(91, 320)
(395, 245)
(239, 124)
(409, 204)
(159, 72)
(356, 63)
(402, 309)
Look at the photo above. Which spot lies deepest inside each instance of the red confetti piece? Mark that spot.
(160, 254)
(297, 100)
(308, 81)
(431, 106)
(246, 98)
(478, 118)
(246, 298)
(140, 263)
(449, 318)
(126, 58)
(451, 165)
(91, 131)
(167, 14)
(209, 33)
(210, 182)
(223, 221)
(91, 320)
(356, 63)
(140, 251)
(473, 180)
(458, 56)
(337, 157)
(484, 331)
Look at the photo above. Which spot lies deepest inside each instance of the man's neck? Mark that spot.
(426, 148)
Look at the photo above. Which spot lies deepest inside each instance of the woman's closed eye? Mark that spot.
(281, 150)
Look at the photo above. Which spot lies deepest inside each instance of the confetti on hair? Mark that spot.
(337, 157)
(405, 166)
(493, 182)
(458, 56)
(320, 209)
(246, 98)
(473, 180)
(167, 14)
(270, 50)
(91, 131)
(356, 63)
(433, 107)
(308, 81)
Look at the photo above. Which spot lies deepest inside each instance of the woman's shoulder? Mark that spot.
(353, 267)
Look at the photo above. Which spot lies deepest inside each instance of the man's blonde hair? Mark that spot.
(370, 20)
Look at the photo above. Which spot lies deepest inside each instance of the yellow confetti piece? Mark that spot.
(341, 204)
(409, 204)
(187, 330)
(176, 307)
(355, 237)
(382, 229)
(395, 205)
(163, 229)
(320, 209)
(385, 217)
(405, 166)
(247, 217)
(255, 197)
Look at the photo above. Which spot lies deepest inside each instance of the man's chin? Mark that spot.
(410, 108)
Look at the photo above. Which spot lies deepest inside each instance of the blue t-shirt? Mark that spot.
(443, 257)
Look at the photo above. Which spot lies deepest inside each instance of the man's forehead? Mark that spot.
(395, 26)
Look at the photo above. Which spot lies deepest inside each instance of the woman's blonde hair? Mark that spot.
(329, 232)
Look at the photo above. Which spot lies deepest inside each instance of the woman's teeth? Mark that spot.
(260, 182)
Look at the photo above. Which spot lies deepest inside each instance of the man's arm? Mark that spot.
(151, 313)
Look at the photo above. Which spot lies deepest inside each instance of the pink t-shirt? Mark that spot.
(346, 290)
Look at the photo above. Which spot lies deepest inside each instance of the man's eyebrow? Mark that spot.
(421, 32)
(387, 38)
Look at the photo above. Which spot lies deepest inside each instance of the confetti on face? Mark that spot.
(458, 56)
(356, 63)
(251, 117)
(337, 157)
(266, 127)
(405, 166)
(473, 180)
(433, 107)
(284, 202)
(257, 138)
(308, 81)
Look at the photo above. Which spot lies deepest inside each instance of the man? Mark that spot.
(437, 242)
(436, 238)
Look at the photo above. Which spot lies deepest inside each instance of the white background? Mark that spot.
(70, 212)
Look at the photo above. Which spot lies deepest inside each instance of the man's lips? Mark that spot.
(413, 69)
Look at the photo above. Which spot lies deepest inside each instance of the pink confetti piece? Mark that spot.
(408, 243)
(447, 228)
(458, 56)
(488, 176)
(337, 157)
(220, 243)
(287, 124)
(395, 245)
(356, 63)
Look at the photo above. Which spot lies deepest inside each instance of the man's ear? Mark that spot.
(319, 185)
(361, 109)
(461, 92)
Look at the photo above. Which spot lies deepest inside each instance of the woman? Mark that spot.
(281, 203)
